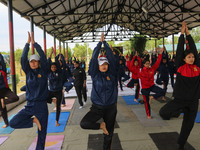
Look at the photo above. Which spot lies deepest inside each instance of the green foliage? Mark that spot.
(160, 41)
(195, 33)
(138, 42)
(17, 78)
(18, 54)
(111, 43)
(126, 46)
(80, 51)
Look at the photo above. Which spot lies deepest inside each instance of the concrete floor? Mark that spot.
(132, 133)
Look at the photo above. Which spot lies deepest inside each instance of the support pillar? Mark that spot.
(32, 32)
(44, 33)
(11, 41)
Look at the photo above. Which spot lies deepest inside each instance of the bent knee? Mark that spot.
(12, 124)
(83, 124)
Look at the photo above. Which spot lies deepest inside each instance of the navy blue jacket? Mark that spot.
(56, 79)
(104, 85)
(36, 80)
(164, 72)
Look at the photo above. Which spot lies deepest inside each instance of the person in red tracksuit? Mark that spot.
(147, 82)
(187, 87)
(134, 67)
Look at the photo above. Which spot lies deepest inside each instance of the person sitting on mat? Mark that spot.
(56, 81)
(187, 87)
(6, 95)
(148, 85)
(36, 70)
(134, 67)
(104, 93)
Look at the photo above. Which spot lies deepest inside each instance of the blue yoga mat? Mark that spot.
(130, 100)
(62, 121)
(7, 130)
(197, 120)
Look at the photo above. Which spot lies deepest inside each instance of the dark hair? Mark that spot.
(187, 52)
(53, 63)
(136, 60)
(146, 60)
(77, 62)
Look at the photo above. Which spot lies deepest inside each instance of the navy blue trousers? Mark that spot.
(146, 93)
(137, 89)
(24, 120)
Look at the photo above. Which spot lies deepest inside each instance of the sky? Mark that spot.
(21, 26)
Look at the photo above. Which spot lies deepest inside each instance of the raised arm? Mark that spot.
(63, 61)
(93, 66)
(111, 58)
(192, 47)
(180, 48)
(43, 60)
(3, 64)
(157, 63)
(24, 58)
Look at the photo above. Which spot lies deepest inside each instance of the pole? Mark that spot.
(32, 31)
(59, 46)
(64, 49)
(67, 51)
(163, 41)
(11, 41)
(44, 33)
(54, 44)
(173, 42)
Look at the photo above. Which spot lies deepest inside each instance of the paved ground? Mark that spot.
(133, 134)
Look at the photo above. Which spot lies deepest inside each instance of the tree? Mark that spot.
(111, 43)
(126, 46)
(195, 33)
(138, 42)
(80, 51)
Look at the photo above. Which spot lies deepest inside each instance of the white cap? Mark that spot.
(34, 57)
(102, 60)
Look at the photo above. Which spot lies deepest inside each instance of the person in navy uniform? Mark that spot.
(104, 93)
(79, 76)
(36, 70)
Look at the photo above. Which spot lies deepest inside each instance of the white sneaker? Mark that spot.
(84, 103)
(80, 107)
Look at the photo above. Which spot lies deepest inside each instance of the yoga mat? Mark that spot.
(130, 100)
(197, 120)
(52, 142)
(62, 121)
(69, 104)
(3, 139)
(7, 130)
(95, 142)
(168, 141)
(156, 120)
